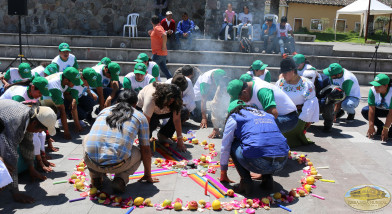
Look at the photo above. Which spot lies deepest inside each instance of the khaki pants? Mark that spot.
(123, 171)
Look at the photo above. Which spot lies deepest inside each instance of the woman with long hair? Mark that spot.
(109, 145)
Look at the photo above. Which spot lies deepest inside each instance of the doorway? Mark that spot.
(297, 24)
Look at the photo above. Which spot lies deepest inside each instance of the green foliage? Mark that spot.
(302, 30)
(382, 20)
(329, 36)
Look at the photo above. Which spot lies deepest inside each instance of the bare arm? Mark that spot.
(115, 87)
(273, 111)
(63, 117)
(164, 37)
(101, 98)
(203, 123)
(75, 116)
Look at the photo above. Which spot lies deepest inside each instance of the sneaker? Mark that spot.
(284, 56)
(267, 182)
(350, 118)
(118, 185)
(263, 52)
(340, 114)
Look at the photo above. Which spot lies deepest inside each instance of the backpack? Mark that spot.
(246, 45)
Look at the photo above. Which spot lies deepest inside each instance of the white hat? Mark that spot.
(168, 13)
(47, 117)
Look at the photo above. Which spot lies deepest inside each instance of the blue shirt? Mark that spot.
(105, 145)
(185, 26)
(271, 31)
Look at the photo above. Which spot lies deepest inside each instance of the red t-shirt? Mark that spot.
(157, 41)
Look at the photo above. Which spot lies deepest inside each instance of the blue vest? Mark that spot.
(259, 135)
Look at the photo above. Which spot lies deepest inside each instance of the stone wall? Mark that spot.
(107, 17)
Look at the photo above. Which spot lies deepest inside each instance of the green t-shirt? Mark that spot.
(204, 88)
(266, 98)
(267, 77)
(57, 95)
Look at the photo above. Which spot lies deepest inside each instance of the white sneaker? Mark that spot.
(263, 52)
(59, 124)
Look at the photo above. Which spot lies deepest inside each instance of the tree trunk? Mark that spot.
(274, 7)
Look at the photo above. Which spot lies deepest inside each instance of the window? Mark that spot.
(340, 25)
(316, 24)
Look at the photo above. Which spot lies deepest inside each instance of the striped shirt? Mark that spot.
(107, 146)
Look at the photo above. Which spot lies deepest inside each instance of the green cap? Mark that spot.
(114, 70)
(246, 77)
(234, 88)
(41, 83)
(140, 68)
(380, 79)
(333, 69)
(24, 70)
(51, 69)
(90, 76)
(142, 58)
(64, 47)
(258, 65)
(235, 104)
(73, 75)
(105, 61)
(299, 58)
(217, 75)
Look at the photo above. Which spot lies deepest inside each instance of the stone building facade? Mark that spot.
(107, 17)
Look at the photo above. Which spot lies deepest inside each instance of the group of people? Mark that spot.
(184, 29)
(260, 121)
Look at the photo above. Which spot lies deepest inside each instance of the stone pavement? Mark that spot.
(352, 159)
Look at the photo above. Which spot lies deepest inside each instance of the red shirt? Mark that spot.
(157, 41)
(172, 25)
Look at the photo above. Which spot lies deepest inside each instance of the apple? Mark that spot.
(73, 176)
(204, 142)
(216, 205)
(147, 202)
(265, 201)
(79, 185)
(249, 202)
(202, 203)
(277, 195)
(230, 193)
(192, 205)
(166, 203)
(81, 164)
(310, 180)
(177, 206)
(81, 169)
(118, 199)
(308, 187)
(102, 196)
(138, 201)
(301, 193)
(93, 191)
(195, 141)
(203, 159)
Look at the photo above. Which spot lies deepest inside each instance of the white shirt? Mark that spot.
(168, 22)
(63, 65)
(136, 85)
(347, 75)
(16, 90)
(283, 32)
(309, 72)
(245, 18)
(15, 76)
(151, 65)
(99, 70)
(204, 78)
(302, 93)
(188, 96)
(39, 70)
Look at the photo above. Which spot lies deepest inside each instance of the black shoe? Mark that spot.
(118, 185)
(267, 182)
(350, 118)
(340, 114)
(97, 183)
(243, 187)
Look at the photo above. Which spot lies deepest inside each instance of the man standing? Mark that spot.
(184, 30)
(170, 27)
(158, 45)
(65, 59)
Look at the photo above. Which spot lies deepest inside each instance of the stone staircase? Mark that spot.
(206, 54)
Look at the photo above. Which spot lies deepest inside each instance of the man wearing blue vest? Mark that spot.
(255, 143)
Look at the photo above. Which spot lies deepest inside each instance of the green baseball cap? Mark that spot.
(246, 77)
(114, 70)
(90, 76)
(258, 65)
(299, 58)
(380, 79)
(333, 69)
(235, 104)
(24, 70)
(105, 61)
(234, 88)
(42, 84)
(51, 69)
(73, 75)
(64, 47)
(143, 57)
(140, 68)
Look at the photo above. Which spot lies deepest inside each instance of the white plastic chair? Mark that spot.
(274, 17)
(131, 24)
(243, 27)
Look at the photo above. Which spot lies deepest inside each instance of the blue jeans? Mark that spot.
(289, 40)
(349, 104)
(161, 61)
(180, 36)
(258, 165)
(379, 113)
(267, 39)
(2, 90)
(287, 122)
(222, 31)
(240, 25)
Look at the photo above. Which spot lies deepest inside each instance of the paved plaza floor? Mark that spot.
(352, 158)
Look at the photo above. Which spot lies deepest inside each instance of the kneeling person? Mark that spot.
(138, 79)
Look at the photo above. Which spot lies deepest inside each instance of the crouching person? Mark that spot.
(108, 147)
(255, 143)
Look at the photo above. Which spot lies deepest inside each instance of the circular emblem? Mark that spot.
(26, 70)
(77, 76)
(94, 78)
(140, 67)
(376, 79)
(367, 197)
(118, 73)
(64, 46)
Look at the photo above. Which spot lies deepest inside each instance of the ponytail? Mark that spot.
(123, 111)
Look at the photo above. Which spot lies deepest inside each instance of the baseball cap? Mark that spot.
(24, 70)
(91, 76)
(64, 47)
(234, 88)
(51, 69)
(299, 58)
(42, 84)
(140, 68)
(105, 61)
(380, 79)
(235, 104)
(73, 75)
(143, 57)
(168, 13)
(246, 77)
(258, 65)
(47, 117)
(333, 69)
(287, 65)
(114, 70)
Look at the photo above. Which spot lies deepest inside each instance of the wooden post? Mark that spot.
(367, 22)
